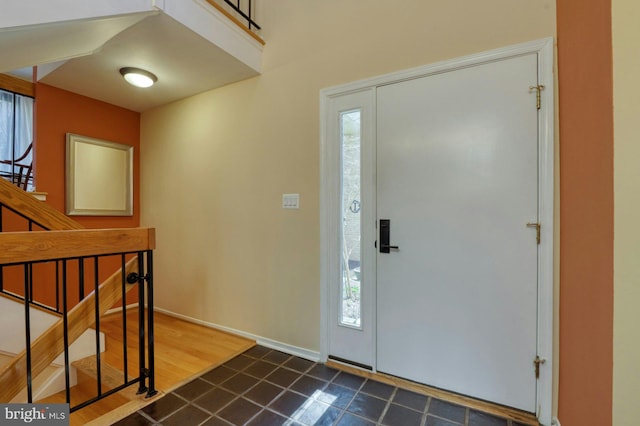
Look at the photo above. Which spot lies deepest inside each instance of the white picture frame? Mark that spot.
(98, 177)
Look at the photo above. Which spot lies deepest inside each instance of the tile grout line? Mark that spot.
(344, 410)
(288, 388)
(386, 407)
(423, 422)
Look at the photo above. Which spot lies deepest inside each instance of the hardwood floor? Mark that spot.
(183, 350)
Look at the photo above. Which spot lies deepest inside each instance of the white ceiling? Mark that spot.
(85, 58)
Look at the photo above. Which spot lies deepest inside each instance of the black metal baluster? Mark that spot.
(30, 277)
(30, 271)
(13, 138)
(96, 285)
(81, 279)
(141, 341)
(58, 286)
(27, 328)
(152, 379)
(65, 322)
(124, 318)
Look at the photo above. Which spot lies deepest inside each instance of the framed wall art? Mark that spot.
(99, 177)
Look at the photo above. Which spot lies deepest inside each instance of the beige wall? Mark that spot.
(626, 334)
(216, 165)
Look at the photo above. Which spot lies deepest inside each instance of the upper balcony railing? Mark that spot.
(240, 12)
(245, 10)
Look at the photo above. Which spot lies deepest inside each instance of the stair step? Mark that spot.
(87, 388)
(110, 376)
(47, 383)
(12, 340)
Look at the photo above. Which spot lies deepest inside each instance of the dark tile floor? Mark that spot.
(266, 387)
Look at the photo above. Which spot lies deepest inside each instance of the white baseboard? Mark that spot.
(263, 341)
(290, 349)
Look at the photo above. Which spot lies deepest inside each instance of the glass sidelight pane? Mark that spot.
(350, 305)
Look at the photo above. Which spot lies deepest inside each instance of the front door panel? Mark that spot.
(457, 164)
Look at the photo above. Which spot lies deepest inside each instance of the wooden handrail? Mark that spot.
(35, 246)
(50, 344)
(17, 85)
(33, 209)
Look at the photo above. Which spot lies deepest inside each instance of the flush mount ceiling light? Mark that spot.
(138, 77)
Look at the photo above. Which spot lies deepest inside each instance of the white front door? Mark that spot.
(455, 160)
(457, 179)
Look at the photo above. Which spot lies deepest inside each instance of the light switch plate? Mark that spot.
(290, 201)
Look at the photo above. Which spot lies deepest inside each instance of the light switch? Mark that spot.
(290, 201)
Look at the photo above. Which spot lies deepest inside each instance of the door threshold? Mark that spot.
(348, 363)
(519, 416)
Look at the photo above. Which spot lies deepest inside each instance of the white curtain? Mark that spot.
(6, 129)
(24, 126)
(16, 128)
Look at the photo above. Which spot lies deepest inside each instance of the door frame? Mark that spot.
(330, 170)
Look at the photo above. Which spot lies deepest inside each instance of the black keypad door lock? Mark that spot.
(385, 235)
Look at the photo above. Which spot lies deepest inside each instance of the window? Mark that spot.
(351, 229)
(16, 136)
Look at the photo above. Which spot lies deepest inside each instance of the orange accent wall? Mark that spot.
(585, 83)
(58, 112)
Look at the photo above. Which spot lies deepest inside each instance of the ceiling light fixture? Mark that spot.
(138, 77)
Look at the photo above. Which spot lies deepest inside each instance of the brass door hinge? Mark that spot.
(538, 89)
(536, 363)
(537, 226)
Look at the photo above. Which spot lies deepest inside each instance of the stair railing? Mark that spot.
(133, 249)
(76, 261)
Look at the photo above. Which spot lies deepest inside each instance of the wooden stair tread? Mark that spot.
(110, 376)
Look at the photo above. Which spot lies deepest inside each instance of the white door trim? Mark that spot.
(330, 170)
